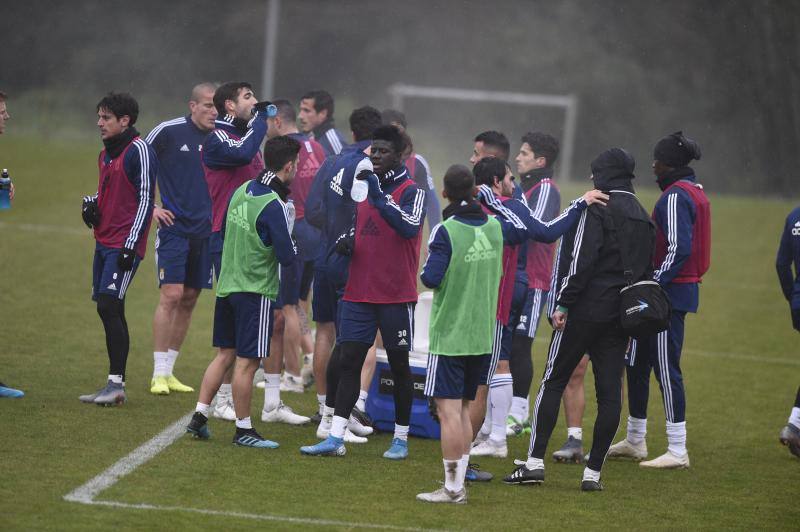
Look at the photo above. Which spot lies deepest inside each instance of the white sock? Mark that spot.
(361, 404)
(575, 432)
(272, 391)
(461, 472)
(534, 463)
(401, 432)
(676, 438)
(172, 356)
(116, 379)
(202, 408)
(794, 418)
(160, 364)
(327, 418)
(637, 430)
(591, 474)
(518, 407)
(338, 426)
(321, 402)
(244, 423)
(501, 391)
(451, 474)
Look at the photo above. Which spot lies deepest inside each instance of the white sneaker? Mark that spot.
(480, 438)
(489, 448)
(357, 428)
(668, 460)
(283, 414)
(626, 449)
(444, 495)
(224, 410)
(290, 383)
(349, 437)
(261, 384)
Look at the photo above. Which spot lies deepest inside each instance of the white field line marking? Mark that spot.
(86, 493)
(721, 354)
(42, 228)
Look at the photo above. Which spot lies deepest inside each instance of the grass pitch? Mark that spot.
(741, 368)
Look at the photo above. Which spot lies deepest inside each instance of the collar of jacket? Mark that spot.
(528, 180)
(232, 124)
(676, 174)
(392, 177)
(270, 179)
(117, 144)
(471, 209)
(320, 130)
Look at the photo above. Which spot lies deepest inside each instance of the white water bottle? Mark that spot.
(359, 190)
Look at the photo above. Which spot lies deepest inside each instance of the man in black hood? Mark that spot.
(585, 316)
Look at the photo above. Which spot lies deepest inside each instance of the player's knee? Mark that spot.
(170, 295)
(189, 298)
(108, 306)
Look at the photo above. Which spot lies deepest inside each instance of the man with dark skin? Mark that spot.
(381, 290)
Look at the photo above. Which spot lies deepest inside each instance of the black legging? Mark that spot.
(350, 361)
(112, 313)
(606, 344)
(521, 365)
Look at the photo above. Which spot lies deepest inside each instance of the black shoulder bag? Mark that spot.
(644, 308)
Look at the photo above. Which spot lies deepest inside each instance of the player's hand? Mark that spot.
(11, 192)
(363, 168)
(595, 196)
(266, 109)
(89, 213)
(375, 191)
(558, 320)
(163, 217)
(125, 259)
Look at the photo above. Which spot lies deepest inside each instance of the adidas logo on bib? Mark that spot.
(238, 216)
(481, 248)
(184, 148)
(370, 229)
(796, 229)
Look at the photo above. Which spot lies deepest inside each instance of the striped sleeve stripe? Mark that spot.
(672, 235)
(541, 202)
(504, 211)
(564, 214)
(576, 251)
(156, 130)
(223, 137)
(415, 218)
(144, 193)
(551, 299)
(333, 139)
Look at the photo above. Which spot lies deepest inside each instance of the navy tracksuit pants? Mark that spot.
(662, 353)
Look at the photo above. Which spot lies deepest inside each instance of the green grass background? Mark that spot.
(741, 367)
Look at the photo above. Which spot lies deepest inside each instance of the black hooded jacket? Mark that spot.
(590, 269)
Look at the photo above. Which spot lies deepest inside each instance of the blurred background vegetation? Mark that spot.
(724, 71)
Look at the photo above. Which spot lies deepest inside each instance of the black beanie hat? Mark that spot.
(676, 150)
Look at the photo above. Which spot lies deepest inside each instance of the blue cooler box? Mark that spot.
(380, 402)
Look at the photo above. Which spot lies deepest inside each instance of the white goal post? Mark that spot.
(399, 92)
